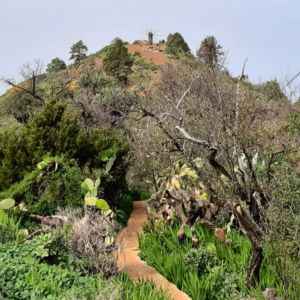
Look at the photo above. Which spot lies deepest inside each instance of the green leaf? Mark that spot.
(87, 185)
(97, 184)
(110, 164)
(188, 232)
(7, 203)
(102, 204)
(42, 165)
(211, 248)
(90, 201)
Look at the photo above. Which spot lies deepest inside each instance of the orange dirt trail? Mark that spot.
(128, 260)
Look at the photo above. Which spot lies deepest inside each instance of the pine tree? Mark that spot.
(210, 52)
(117, 61)
(56, 65)
(78, 52)
(176, 45)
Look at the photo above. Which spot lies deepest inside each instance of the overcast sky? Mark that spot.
(265, 32)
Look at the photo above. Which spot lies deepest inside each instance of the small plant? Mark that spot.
(9, 228)
(90, 189)
(202, 259)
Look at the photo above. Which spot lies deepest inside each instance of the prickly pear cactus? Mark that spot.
(7, 203)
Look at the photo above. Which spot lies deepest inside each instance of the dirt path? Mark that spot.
(128, 260)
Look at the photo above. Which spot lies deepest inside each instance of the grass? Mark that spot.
(223, 279)
(138, 291)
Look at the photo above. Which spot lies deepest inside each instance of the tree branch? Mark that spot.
(31, 93)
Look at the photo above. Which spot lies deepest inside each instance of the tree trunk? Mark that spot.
(255, 234)
(254, 267)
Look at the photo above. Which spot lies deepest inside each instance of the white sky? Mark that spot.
(265, 32)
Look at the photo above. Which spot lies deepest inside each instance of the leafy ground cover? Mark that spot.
(43, 269)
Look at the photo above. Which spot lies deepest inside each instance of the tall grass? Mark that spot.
(9, 228)
(161, 249)
(138, 291)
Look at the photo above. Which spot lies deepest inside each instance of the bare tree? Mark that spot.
(30, 73)
(207, 114)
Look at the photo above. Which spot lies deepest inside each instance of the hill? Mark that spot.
(216, 158)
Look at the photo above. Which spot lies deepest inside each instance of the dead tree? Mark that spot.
(30, 73)
(214, 117)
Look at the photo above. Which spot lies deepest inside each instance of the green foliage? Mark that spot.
(94, 81)
(272, 90)
(201, 259)
(140, 291)
(117, 61)
(176, 45)
(78, 52)
(7, 203)
(210, 52)
(284, 229)
(212, 271)
(24, 273)
(294, 124)
(56, 65)
(42, 268)
(55, 131)
(21, 105)
(9, 228)
(91, 190)
(54, 183)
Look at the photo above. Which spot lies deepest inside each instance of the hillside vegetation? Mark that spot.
(215, 156)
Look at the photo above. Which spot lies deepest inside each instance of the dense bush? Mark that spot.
(202, 259)
(43, 268)
(55, 131)
(54, 183)
(272, 90)
(25, 274)
(294, 124)
(20, 105)
(176, 45)
(78, 151)
(117, 61)
(56, 65)
(284, 230)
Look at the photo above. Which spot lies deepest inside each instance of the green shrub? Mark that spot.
(272, 90)
(43, 269)
(55, 131)
(117, 61)
(56, 184)
(176, 45)
(24, 273)
(202, 260)
(294, 124)
(56, 65)
(9, 228)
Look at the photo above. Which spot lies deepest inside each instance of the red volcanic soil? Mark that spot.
(151, 53)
